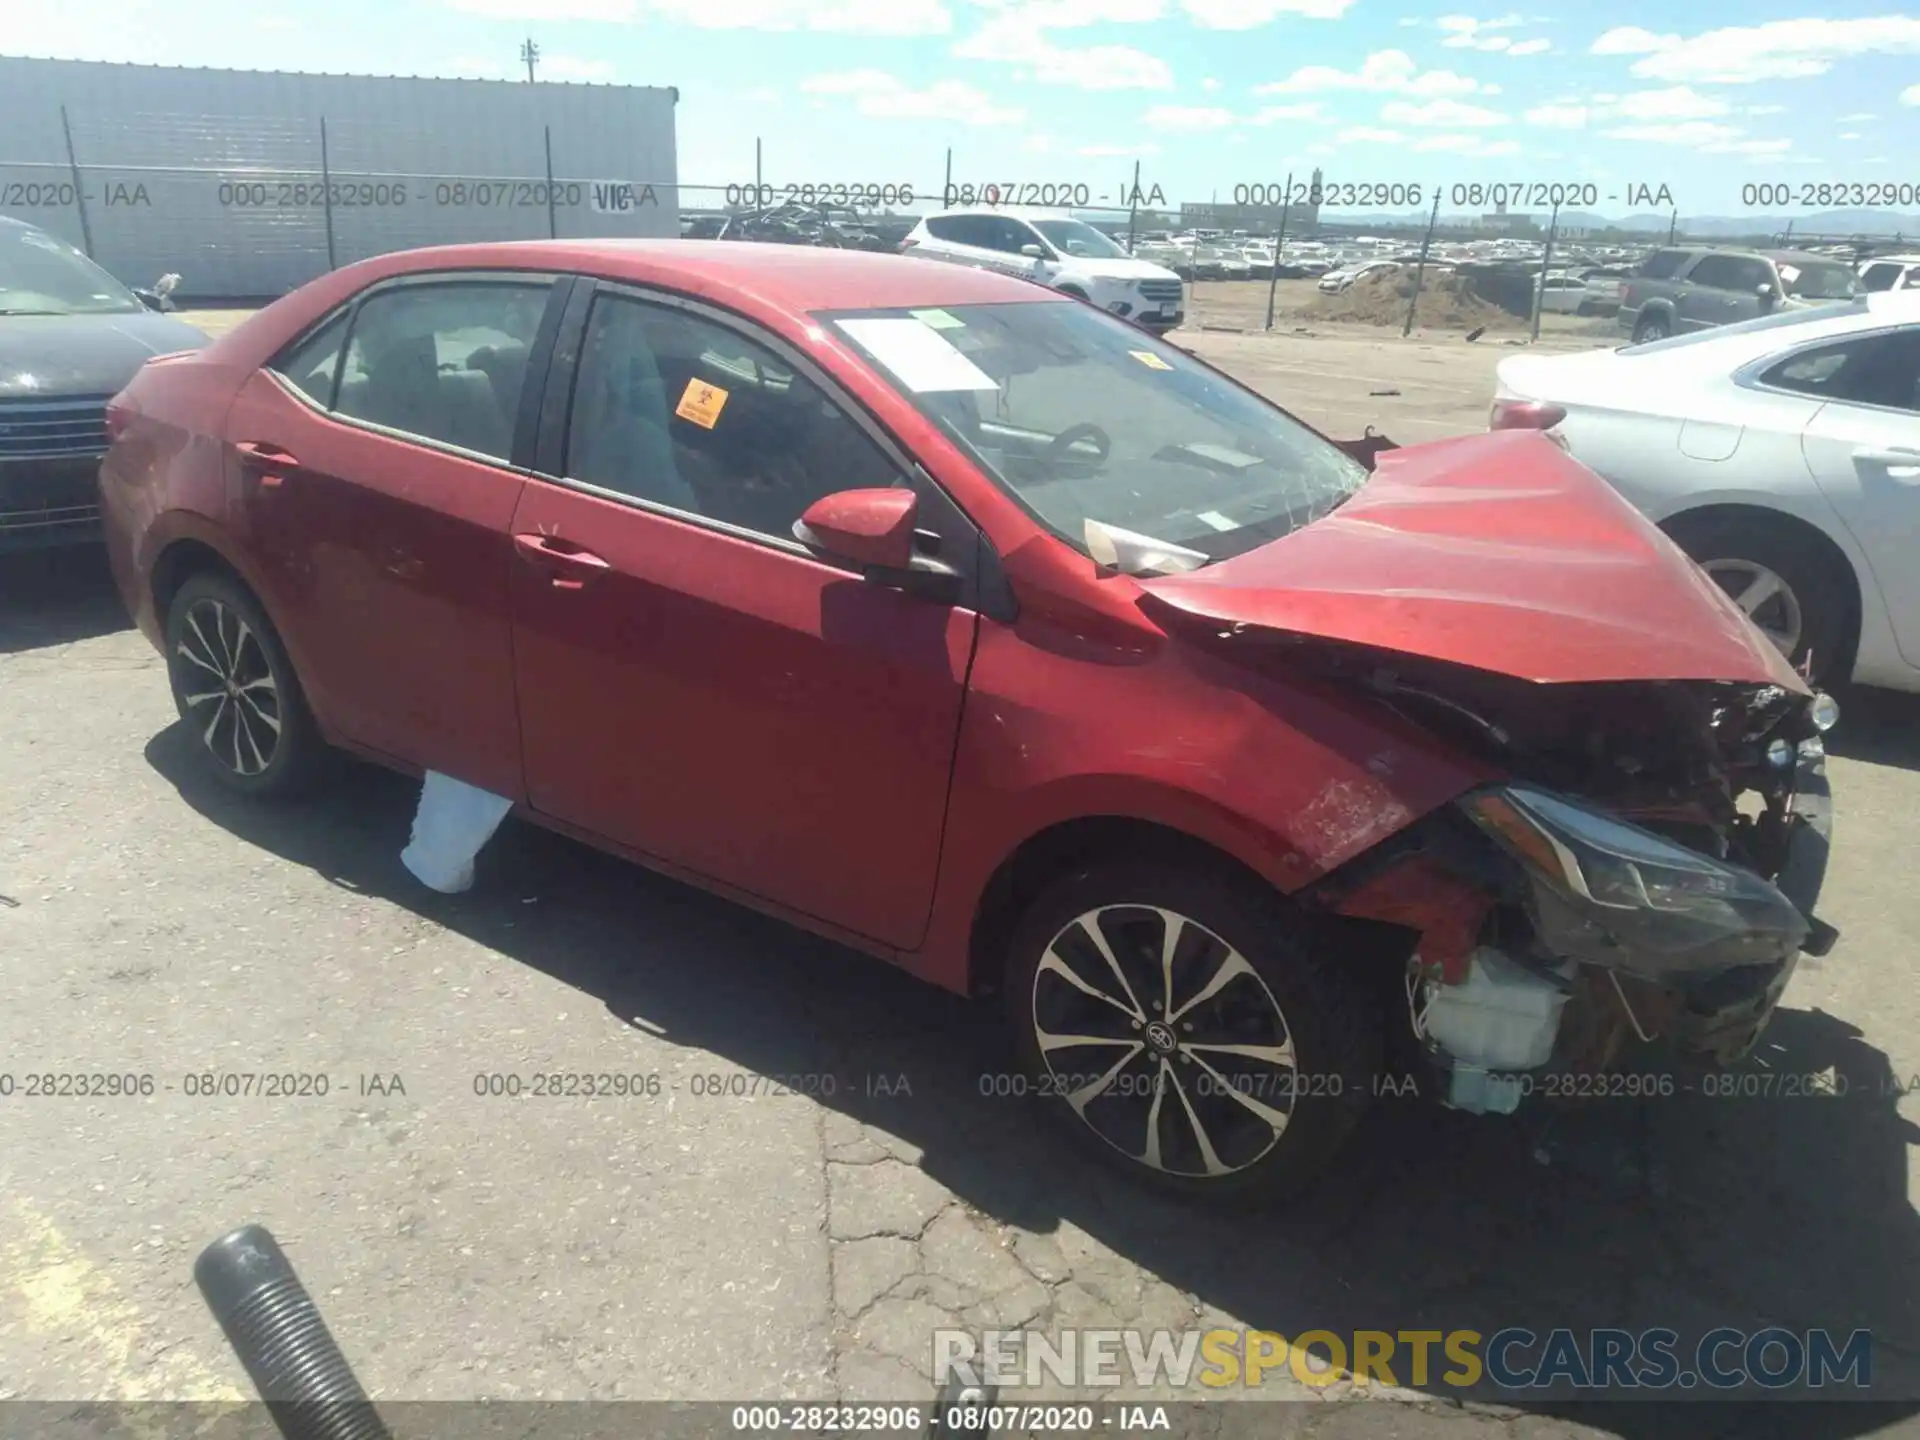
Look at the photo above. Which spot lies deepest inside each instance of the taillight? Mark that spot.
(1524, 415)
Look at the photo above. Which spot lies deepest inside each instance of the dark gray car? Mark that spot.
(1695, 288)
(70, 337)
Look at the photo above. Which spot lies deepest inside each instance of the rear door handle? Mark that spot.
(269, 462)
(573, 566)
(1900, 464)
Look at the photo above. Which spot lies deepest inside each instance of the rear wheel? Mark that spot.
(1190, 1030)
(1651, 327)
(1795, 593)
(236, 691)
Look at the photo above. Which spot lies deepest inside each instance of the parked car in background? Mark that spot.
(1334, 281)
(1678, 290)
(70, 337)
(1891, 272)
(1563, 294)
(971, 626)
(1056, 250)
(1782, 453)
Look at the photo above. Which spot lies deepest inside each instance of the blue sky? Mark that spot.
(1206, 94)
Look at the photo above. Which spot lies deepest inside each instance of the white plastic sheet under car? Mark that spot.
(454, 822)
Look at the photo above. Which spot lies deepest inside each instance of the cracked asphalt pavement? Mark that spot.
(810, 1172)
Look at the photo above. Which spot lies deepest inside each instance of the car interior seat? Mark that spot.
(619, 438)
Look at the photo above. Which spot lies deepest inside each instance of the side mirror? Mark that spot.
(1765, 292)
(149, 299)
(1033, 252)
(874, 530)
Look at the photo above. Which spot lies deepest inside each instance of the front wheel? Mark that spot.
(1651, 327)
(1191, 1030)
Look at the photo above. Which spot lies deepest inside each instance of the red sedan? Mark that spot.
(975, 628)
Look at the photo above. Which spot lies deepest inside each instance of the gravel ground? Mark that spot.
(816, 1181)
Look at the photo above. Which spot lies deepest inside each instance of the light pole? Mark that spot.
(529, 56)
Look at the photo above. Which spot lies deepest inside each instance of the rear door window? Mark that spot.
(1883, 275)
(311, 365)
(444, 361)
(1880, 370)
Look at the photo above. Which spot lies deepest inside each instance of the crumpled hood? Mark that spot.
(1499, 552)
(56, 355)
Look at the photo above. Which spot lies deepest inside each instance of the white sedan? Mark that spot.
(1782, 453)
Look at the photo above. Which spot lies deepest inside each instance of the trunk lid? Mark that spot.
(1499, 552)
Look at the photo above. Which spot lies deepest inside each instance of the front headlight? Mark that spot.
(1612, 893)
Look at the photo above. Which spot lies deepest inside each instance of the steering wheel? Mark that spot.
(1057, 450)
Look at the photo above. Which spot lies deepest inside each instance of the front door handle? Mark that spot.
(269, 462)
(1899, 464)
(571, 565)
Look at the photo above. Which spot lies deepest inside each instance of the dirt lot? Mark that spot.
(751, 1243)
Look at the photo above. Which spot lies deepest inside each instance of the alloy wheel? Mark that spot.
(1164, 1040)
(228, 692)
(1766, 598)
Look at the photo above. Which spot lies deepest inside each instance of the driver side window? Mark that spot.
(675, 409)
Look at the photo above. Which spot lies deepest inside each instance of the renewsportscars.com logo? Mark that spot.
(1512, 1359)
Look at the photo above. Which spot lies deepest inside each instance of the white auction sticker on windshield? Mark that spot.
(919, 356)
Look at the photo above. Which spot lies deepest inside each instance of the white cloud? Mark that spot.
(1252, 14)
(1764, 110)
(573, 67)
(1856, 117)
(886, 96)
(1558, 117)
(1747, 147)
(1116, 152)
(1530, 47)
(845, 17)
(1467, 145)
(1631, 40)
(1690, 133)
(1019, 36)
(1910, 95)
(1440, 115)
(1677, 103)
(1385, 70)
(1188, 118)
(1851, 135)
(1777, 50)
(613, 11)
(1466, 33)
(1306, 110)
(1369, 135)
(1209, 84)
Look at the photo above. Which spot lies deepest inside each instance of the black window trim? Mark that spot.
(1751, 375)
(539, 358)
(985, 590)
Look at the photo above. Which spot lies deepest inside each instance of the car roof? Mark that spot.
(1891, 260)
(796, 279)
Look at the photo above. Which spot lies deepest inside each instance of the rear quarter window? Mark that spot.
(1663, 264)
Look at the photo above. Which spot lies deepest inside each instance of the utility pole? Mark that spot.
(529, 56)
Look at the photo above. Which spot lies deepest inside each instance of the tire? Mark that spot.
(1651, 327)
(1814, 609)
(236, 691)
(1287, 986)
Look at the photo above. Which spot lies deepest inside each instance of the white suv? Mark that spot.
(1057, 250)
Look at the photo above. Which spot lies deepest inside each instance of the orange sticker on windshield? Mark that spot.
(702, 404)
(1150, 360)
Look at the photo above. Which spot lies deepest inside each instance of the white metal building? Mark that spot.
(250, 183)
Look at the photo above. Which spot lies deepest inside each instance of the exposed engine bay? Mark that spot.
(1647, 872)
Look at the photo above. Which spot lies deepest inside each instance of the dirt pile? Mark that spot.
(1447, 302)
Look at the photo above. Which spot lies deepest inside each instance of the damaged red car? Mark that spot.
(978, 629)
